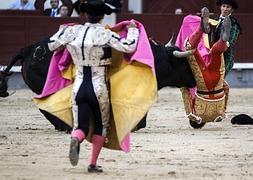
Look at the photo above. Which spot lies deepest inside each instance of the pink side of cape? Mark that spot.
(125, 144)
(55, 81)
(143, 51)
(189, 26)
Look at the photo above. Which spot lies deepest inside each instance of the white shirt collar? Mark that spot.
(222, 17)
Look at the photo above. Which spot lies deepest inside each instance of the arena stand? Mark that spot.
(21, 28)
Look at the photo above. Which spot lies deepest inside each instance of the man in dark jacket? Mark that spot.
(227, 7)
(54, 10)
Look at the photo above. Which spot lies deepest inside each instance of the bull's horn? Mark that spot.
(170, 43)
(182, 54)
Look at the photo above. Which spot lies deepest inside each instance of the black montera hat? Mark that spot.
(242, 119)
(232, 3)
(95, 8)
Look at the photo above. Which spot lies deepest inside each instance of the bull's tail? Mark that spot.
(6, 72)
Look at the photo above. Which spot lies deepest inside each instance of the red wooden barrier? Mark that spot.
(21, 30)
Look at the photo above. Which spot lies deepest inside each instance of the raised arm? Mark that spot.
(65, 35)
(128, 44)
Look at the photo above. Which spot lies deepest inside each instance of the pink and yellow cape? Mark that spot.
(132, 82)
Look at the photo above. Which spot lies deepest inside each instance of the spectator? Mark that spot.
(22, 5)
(54, 10)
(76, 6)
(227, 7)
(63, 11)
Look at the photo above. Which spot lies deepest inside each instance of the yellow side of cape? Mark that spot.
(133, 90)
(58, 104)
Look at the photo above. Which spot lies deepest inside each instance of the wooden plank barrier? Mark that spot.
(17, 31)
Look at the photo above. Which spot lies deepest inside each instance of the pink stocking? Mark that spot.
(79, 134)
(97, 144)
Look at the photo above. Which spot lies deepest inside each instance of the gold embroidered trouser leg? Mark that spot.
(226, 90)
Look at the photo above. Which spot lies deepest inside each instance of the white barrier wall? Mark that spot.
(110, 20)
(4, 4)
(135, 6)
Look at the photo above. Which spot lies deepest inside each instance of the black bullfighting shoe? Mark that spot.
(74, 151)
(225, 29)
(205, 20)
(94, 169)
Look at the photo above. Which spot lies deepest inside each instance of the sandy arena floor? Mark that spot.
(30, 148)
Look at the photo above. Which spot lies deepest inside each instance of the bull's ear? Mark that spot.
(170, 43)
(183, 54)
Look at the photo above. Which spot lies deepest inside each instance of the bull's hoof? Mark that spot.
(4, 94)
(225, 30)
(196, 125)
(141, 124)
(205, 20)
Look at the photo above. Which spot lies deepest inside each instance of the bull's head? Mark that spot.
(170, 70)
(179, 54)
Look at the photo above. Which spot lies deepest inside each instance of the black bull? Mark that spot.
(35, 60)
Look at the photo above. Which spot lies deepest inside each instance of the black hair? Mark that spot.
(95, 8)
(94, 19)
(63, 6)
